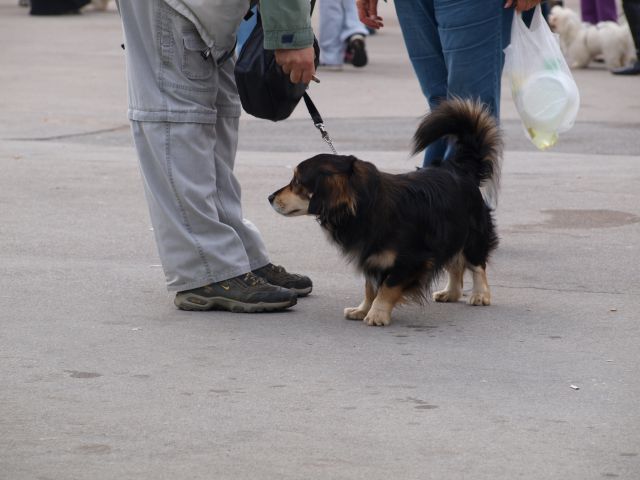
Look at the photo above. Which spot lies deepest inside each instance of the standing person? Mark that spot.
(596, 11)
(456, 49)
(632, 12)
(342, 36)
(184, 111)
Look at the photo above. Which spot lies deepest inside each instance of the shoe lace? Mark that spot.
(253, 280)
(277, 268)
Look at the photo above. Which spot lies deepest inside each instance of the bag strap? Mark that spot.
(318, 122)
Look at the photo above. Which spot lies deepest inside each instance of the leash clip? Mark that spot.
(325, 136)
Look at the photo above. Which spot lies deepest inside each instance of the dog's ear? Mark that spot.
(333, 198)
(345, 164)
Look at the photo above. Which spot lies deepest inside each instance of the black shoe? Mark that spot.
(356, 53)
(277, 275)
(630, 70)
(246, 293)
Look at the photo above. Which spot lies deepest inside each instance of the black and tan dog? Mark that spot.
(403, 230)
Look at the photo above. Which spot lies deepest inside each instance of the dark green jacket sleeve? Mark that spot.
(286, 24)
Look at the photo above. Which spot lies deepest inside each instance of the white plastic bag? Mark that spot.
(543, 89)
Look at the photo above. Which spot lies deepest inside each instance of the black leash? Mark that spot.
(315, 114)
(318, 122)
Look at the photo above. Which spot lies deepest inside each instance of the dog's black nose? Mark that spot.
(272, 197)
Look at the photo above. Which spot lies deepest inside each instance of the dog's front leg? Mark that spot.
(359, 312)
(386, 299)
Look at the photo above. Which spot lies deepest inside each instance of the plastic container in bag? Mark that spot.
(543, 89)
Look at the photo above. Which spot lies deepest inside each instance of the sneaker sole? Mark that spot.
(302, 292)
(220, 303)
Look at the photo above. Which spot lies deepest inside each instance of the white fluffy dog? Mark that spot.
(581, 42)
(100, 4)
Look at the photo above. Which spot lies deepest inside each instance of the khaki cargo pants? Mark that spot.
(184, 111)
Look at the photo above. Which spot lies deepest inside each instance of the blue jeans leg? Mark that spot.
(456, 49)
(420, 33)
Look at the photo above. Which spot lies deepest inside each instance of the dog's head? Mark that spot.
(323, 186)
(563, 20)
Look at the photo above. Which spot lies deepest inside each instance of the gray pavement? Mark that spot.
(101, 378)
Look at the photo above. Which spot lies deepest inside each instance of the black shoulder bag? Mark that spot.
(265, 90)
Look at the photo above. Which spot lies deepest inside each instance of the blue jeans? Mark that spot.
(456, 49)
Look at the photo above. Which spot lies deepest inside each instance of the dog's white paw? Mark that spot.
(377, 318)
(354, 313)
(480, 299)
(446, 296)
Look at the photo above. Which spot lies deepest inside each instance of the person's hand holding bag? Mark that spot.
(298, 63)
(522, 5)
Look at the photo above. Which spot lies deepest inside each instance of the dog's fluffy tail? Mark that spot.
(478, 147)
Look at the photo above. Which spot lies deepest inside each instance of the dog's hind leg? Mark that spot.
(359, 312)
(480, 294)
(479, 246)
(453, 291)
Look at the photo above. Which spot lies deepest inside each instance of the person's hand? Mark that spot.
(522, 5)
(368, 13)
(297, 63)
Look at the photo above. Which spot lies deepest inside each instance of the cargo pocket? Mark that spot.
(194, 65)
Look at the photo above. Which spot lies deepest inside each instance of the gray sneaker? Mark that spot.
(277, 275)
(246, 293)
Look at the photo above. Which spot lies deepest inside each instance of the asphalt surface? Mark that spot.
(101, 377)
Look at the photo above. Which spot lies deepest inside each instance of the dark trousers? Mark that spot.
(56, 7)
(632, 12)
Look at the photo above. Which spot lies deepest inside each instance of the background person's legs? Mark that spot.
(353, 36)
(474, 35)
(594, 11)
(607, 11)
(329, 33)
(420, 33)
(632, 12)
(352, 24)
(456, 49)
(338, 22)
(588, 11)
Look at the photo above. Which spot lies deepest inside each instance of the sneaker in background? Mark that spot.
(356, 53)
